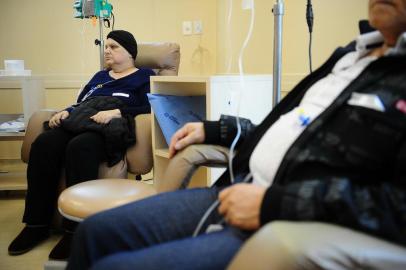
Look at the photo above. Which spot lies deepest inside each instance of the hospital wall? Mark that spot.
(61, 48)
(335, 23)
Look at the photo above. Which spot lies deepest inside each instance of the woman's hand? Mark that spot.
(190, 133)
(55, 120)
(104, 117)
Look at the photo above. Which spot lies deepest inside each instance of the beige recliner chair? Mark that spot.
(283, 245)
(164, 58)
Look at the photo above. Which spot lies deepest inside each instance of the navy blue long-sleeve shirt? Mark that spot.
(132, 89)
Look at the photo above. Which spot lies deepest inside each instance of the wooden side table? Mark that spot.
(11, 180)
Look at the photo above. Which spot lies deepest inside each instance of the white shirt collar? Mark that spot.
(400, 47)
(368, 40)
(365, 42)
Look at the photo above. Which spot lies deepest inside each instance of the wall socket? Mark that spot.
(187, 28)
(197, 27)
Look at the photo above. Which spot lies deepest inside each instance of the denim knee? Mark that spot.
(91, 225)
(116, 262)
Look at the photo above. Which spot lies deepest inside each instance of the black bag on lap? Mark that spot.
(119, 133)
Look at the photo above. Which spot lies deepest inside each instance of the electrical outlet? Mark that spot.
(187, 28)
(197, 27)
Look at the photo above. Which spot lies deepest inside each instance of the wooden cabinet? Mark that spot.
(222, 96)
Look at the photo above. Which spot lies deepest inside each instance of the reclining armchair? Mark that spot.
(164, 58)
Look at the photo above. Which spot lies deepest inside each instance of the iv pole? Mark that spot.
(101, 43)
(93, 9)
(278, 11)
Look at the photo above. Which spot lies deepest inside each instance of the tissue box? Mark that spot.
(14, 68)
(14, 65)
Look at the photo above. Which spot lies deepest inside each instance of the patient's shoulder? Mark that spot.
(146, 72)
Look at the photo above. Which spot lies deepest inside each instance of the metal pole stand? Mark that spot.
(100, 43)
(278, 11)
(101, 48)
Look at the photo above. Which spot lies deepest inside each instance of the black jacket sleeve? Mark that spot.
(223, 132)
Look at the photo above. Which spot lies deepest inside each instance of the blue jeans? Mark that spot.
(156, 233)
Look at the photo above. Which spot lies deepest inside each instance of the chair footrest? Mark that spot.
(87, 198)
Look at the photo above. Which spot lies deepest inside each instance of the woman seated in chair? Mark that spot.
(98, 128)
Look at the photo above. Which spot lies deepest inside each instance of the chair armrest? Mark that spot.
(182, 166)
(288, 245)
(34, 128)
(139, 156)
(263, 250)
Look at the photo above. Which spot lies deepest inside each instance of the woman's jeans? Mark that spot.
(156, 233)
(52, 151)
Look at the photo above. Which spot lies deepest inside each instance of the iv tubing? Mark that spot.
(242, 84)
(230, 51)
(212, 207)
(231, 153)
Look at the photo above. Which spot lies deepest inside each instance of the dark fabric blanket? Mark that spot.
(119, 133)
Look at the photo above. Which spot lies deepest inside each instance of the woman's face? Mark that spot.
(388, 16)
(114, 53)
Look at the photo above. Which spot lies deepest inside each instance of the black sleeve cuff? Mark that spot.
(123, 111)
(127, 111)
(271, 204)
(69, 109)
(212, 132)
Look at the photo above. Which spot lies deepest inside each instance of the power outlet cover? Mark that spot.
(197, 27)
(187, 28)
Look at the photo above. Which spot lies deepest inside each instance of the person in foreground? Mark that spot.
(333, 150)
(99, 128)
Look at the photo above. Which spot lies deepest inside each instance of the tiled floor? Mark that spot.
(12, 175)
(11, 210)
